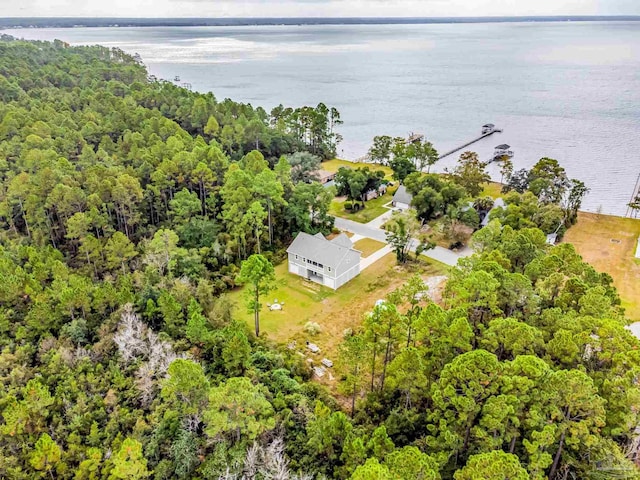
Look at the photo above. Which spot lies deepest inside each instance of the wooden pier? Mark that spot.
(414, 138)
(485, 133)
(487, 130)
(633, 207)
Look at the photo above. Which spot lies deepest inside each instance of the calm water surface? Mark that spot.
(569, 91)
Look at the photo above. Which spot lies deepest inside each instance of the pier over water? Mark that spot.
(487, 130)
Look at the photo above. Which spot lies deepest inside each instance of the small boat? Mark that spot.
(177, 78)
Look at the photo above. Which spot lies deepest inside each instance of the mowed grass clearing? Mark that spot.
(609, 244)
(368, 246)
(373, 208)
(335, 164)
(334, 311)
(493, 190)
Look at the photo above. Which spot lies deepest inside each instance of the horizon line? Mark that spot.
(399, 17)
(15, 23)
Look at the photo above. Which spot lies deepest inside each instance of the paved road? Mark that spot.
(439, 254)
(361, 229)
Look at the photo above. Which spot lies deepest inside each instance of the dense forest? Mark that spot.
(128, 206)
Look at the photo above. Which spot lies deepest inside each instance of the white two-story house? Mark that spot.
(328, 262)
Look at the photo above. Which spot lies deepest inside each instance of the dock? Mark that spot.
(485, 133)
(414, 138)
(487, 130)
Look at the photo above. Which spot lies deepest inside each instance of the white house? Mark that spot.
(331, 263)
(402, 199)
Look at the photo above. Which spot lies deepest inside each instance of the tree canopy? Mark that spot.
(130, 206)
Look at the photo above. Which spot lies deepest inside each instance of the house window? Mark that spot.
(329, 269)
(296, 257)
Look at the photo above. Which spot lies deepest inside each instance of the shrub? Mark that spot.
(312, 328)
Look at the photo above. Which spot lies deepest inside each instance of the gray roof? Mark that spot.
(321, 250)
(402, 195)
(498, 203)
(343, 241)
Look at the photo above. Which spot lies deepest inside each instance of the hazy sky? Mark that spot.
(305, 8)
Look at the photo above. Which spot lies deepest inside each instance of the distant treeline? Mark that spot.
(62, 22)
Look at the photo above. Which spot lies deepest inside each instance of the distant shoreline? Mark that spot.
(85, 22)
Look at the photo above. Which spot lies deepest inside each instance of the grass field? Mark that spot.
(334, 165)
(493, 190)
(368, 246)
(373, 208)
(334, 311)
(609, 244)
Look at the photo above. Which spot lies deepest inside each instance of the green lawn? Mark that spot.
(334, 311)
(368, 246)
(334, 165)
(493, 190)
(609, 244)
(373, 208)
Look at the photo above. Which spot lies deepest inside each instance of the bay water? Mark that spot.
(569, 90)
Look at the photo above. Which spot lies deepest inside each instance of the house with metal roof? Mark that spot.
(331, 263)
(498, 203)
(402, 199)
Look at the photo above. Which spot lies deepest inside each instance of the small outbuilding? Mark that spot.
(402, 198)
